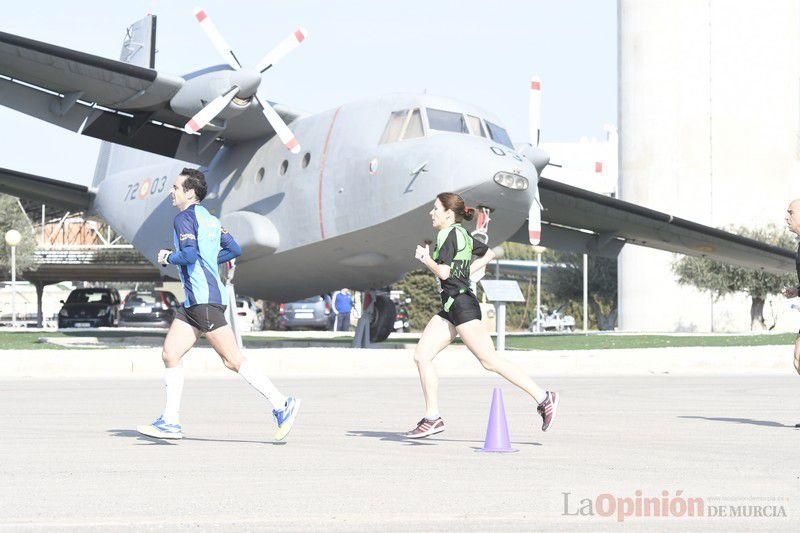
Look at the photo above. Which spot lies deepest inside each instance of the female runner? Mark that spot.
(451, 263)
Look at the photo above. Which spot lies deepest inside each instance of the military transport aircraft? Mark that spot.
(317, 201)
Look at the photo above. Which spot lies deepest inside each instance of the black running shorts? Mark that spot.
(205, 317)
(465, 308)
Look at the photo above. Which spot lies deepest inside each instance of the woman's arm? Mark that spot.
(482, 261)
(424, 255)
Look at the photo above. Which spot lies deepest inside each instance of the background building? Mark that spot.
(709, 118)
(588, 164)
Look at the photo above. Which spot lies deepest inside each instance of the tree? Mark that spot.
(565, 282)
(520, 315)
(420, 286)
(13, 217)
(721, 279)
(270, 313)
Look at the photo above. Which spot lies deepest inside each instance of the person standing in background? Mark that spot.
(343, 305)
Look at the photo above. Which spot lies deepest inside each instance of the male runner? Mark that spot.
(793, 223)
(201, 244)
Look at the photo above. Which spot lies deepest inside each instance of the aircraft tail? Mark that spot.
(138, 48)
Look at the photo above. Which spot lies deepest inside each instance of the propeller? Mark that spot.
(535, 111)
(248, 81)
(538, 157)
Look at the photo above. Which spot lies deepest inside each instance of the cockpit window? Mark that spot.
(446, 121)
(407, 124)
(475, 126)
(395, 127)
(414, 128)
(499, 135)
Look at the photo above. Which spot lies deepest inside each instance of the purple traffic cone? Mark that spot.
(497, 439)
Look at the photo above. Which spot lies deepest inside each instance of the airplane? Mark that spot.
(317, 201)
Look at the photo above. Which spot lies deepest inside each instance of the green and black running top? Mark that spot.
(455, 247)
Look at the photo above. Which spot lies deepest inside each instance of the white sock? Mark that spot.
(173, 380)
(252, 374)
(432, 416)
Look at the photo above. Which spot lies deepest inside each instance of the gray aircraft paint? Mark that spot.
(332, 205)
(337, 222)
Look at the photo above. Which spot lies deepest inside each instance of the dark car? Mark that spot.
(148, 308)
(311, 313)
(90, 308)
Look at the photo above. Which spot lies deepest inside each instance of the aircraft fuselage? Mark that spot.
(347, 211)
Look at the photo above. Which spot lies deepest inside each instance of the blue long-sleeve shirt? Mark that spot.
(201, 244)
(230, 248)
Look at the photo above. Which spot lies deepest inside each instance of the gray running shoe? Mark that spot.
(426, 428)
(547, 409)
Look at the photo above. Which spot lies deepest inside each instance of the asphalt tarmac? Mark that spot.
(70, 457)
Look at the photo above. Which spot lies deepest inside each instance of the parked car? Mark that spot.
(402, 319)
(148, 308)
(311, 313)
(248, 315)
(90, 308)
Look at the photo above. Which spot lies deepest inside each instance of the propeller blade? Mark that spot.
(535, 111)
(280, 127)
(207, 114)
(283, 48)
(535, 223)
(217, 39)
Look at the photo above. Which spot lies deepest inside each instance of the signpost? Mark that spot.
(500, 292)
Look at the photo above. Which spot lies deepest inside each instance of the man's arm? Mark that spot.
(186, 229)
(230, 249)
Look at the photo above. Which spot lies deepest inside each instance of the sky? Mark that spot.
(476, 51)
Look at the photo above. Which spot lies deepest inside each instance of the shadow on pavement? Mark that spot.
(391, 437)
(741, 421)
(130, 433)
(398, 437)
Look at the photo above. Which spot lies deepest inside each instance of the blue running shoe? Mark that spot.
(161, 430)
(285, 417)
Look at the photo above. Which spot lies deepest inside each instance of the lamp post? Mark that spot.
(539, 251)
(12, 239)
(585, 293)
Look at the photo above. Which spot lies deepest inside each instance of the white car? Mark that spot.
(553, 322)
(248, 317)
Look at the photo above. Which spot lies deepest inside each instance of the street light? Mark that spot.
(539, 251)
(12, 239)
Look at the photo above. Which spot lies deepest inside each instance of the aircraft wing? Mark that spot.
(63, 194)
(112, 100)
(578, 220)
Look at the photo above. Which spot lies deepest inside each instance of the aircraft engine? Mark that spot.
(198, 92)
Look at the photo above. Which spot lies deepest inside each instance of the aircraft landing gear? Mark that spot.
(376, 321)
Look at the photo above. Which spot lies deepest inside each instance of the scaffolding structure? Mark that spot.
(74, 247)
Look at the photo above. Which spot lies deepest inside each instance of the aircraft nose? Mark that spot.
(504, 181)
(511, 180)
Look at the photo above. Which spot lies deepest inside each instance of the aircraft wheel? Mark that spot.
(382, 318)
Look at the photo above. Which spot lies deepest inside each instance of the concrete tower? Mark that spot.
(709, 125)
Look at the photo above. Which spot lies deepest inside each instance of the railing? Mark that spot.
(121, 254)
(74, 229)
